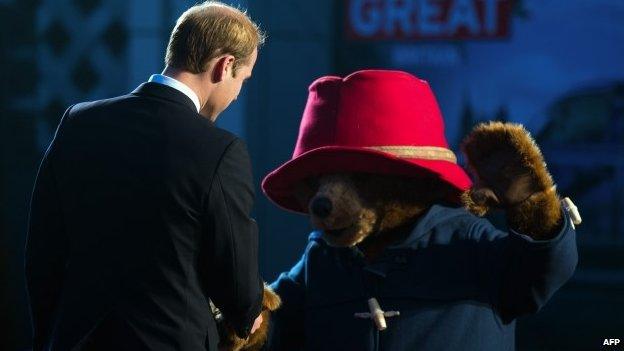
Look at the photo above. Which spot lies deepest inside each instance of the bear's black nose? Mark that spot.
(321, 207)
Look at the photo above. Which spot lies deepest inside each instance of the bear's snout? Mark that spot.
(337, 210)
(321, 206)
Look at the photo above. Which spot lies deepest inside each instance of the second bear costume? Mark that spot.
(398, 261)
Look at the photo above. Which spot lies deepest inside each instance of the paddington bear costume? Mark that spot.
(457, 282)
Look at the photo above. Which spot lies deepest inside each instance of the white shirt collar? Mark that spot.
(176, 84)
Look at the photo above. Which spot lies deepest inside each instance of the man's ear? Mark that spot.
(222, 68)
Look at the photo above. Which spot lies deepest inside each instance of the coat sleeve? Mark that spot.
(286, 332)
(46, 246)
(521, 273)
(232, 249)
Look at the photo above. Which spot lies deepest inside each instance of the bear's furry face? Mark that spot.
(349, 208)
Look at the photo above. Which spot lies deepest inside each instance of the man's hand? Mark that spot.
(257, 324)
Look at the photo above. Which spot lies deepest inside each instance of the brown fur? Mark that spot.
(539, 215)
(478, 209)
(374, 210)
(270, 302)
(348, 213)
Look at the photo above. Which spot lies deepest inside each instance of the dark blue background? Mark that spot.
(560, 72)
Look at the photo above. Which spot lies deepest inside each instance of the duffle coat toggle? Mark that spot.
(377, 314)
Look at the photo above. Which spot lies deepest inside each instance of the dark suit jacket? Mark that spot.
(139, 215)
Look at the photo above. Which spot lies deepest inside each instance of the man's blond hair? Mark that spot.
(208, 30)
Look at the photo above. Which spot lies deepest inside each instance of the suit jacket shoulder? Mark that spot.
(134, 175)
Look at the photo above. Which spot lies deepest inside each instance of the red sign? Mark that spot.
(427, 19)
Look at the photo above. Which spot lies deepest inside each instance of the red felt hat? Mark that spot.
(373, 121)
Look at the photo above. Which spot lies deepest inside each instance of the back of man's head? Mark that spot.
(208, 30)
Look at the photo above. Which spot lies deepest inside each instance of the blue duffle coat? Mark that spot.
(457, 281)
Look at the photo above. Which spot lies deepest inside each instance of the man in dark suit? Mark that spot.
(140, 211)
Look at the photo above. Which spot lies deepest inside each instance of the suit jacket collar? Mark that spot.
(161, 91)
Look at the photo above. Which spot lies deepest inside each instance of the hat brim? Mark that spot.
(278, 185)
